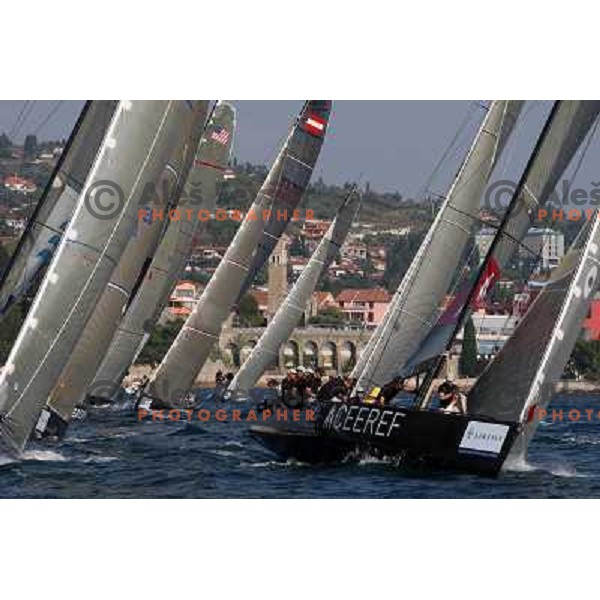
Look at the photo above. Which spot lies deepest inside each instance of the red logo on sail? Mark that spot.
(314, 124)
(489, 277)
(485, 283)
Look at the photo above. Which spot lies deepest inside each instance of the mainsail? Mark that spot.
(315, 117)
(284, 186)
(85, 359)
(566, 127)
(57, 204)
(96, 237)
(534, 358)
(542, 331)
(294, 306)
(168, 263)
(414, 308)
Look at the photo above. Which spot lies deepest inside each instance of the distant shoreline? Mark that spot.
(206, 380)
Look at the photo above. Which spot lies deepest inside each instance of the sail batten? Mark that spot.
(416, 302)
(168, 263)
(283, 188)
(294, 305)
(57, 204)
(186, 127)
(85, 259)
(566, 128)
(534, 358)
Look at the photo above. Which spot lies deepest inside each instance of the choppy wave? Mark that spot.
(113, 455)
(44, 455)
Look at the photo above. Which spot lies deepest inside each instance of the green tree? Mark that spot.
(585, 358)
(11, 323)
(160, 341)
(5, 146)
(331, 315)
(399, 258)
(30, 147)
(248, 313)
(467, 363)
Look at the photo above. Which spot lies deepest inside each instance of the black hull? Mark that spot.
(99, 402)
(50, 426)
(431, 439)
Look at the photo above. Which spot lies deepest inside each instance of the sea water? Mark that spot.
(111, 454)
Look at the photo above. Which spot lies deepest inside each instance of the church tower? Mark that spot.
(278, 282)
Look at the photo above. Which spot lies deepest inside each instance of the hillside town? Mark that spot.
(359, 284)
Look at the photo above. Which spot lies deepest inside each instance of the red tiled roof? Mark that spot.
(261, 297)
(359, 295)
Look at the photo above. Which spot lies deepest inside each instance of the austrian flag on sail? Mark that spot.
(314, 124)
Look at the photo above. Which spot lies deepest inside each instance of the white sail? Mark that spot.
(57, 204)
(317, 114)
(534, 358)
(565, 130)
(414, 307)
(285, 184)
(168, 263)
(293, 307)
(186, 127)
(96, 237)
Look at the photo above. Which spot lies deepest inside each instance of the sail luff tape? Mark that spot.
(200, 332)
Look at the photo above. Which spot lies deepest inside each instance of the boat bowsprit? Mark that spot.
(328, 432)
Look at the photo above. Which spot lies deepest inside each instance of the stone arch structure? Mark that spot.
(231, 355)
(348, 355)
(246, 350)
(328, 358)
(291, 354)
(310, 354)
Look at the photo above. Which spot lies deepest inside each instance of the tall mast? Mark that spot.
(501, 234)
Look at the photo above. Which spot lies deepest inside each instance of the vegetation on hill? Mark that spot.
(160, 341)
(585, 359)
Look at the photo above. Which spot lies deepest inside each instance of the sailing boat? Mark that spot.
(502, 418)
(168, 263)
(481, 439)
(281, 191)
(105, 217)
(57, 204)
(565, 129)
(414, 307)
(294, 305)
(101, 326)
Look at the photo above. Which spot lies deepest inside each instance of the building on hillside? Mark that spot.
(492, 331)
(364, 306)
(261, 295)
(16, 225)
(354, 251)
(14, 183)
(182, 300)
(544, 248)
(591, 325)
(483, 240)
(314, 229)
(320, 301)
(297, 264)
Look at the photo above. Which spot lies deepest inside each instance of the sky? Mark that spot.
(394, 145)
